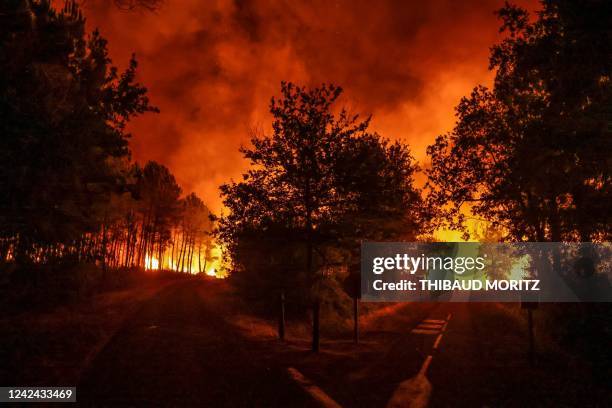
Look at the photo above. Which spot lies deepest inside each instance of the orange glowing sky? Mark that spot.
(212, 66)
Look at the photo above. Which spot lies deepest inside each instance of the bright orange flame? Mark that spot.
(151, 263)
(211, 264)
(216, 267)
(448, 236)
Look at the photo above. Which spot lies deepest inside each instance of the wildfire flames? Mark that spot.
(211, 266)
(151, 263)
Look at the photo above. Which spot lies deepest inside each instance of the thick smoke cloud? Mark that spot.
(212, 66)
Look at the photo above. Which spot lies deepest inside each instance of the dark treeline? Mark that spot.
(70, 192)
(320, 184)
(529, 157)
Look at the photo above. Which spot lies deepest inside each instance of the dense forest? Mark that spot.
(529, 157)
(71, 193)
(118, 281)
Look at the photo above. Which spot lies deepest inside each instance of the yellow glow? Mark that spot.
(151, 263)
(519, 269)
(448, 236)
(216, 268)
(213, 266)
(444, 235)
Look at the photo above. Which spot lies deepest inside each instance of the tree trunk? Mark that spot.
(128, 241)
(309, 271)
(356, 320)
(200, 257)
(315, 325)
(160, 253)
(172, 264)
(531, 337)
(281, 317)
(182, 253)
(104, 244)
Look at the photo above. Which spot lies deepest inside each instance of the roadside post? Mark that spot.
(530, 307)
(352, 286)
(281, 317)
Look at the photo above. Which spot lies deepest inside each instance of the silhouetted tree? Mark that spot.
(70, 191)
(63, 111)
(376, 179)
(532, 155)
(195, 228)
(158, 197)
(319, 181)
(382, 204)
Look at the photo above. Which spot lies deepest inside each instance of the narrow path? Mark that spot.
(177, 352)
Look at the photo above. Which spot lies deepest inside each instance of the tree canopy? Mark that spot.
(69, 188)
(317, 186)
(320, 173)
(64, 108)
(531, 155)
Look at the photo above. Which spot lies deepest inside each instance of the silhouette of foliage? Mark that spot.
(532, 155)
(69, 189)
(317, 185)
(63, 108)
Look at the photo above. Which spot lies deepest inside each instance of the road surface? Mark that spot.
(179, 350)
(176, 351)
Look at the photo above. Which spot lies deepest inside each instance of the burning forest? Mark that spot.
(215, 203)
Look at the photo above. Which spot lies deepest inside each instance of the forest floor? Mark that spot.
(193, 343)
(53, 346)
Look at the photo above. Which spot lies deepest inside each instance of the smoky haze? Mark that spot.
(211, 67)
